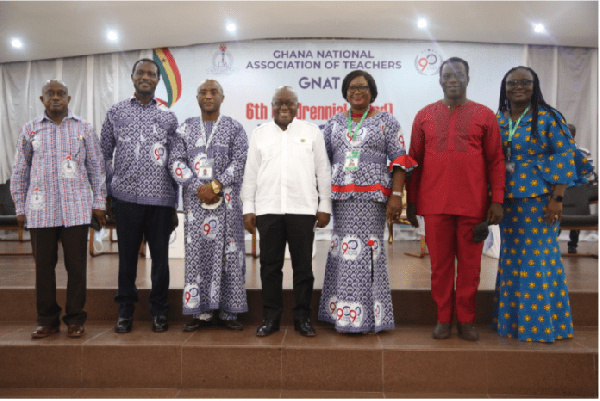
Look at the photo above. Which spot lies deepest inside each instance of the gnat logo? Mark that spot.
(349, 313)
(334, 247)
(378, 313)
(351, 247)
(191, 295)
(159, 154)
(222, 61)
(428, 62)
(375, 246)
(210, 226)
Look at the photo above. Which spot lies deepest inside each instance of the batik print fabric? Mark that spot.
(356, 293)
(532, 301)
(215, 263)
(58, 176)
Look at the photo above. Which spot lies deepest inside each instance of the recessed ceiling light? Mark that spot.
(422, 23)
(112, 36)
(539, 28)
(16, 43)
(231, 27)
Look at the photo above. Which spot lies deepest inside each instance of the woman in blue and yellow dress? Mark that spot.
(532, 300)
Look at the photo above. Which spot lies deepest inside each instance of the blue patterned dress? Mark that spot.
(356, 293)
(531, 301)
(215, 262)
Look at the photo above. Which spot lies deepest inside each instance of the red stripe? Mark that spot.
(361, 188)
(173, 66)
(405, 161)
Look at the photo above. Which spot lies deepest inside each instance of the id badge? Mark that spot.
(205, 172)
(351, 160)
(510, 166)
(68, 168)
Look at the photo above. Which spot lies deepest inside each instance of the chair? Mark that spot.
(8, 218)
(576, 211)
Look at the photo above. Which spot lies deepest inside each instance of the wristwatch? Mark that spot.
(215, 187)
(557, 198)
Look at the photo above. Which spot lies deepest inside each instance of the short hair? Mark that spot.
(455, 60)
(146, 60)
(210, 80)
(537, 99)
(58, 81)
(287, 88)
(355, 74)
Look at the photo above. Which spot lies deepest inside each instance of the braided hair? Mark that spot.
(537, 100)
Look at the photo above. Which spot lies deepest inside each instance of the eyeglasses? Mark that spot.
(361, 89)
(523, 82)
(288, 103)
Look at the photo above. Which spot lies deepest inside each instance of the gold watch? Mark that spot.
(215, 187)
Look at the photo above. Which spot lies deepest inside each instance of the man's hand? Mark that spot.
(174, 220)
(411, 214)
(21, 221)
(250, 222)
(495, 213)
(109, 209)
(100, 216)
(553, 212)
(394, 208)
(322, 219)
(205, 193)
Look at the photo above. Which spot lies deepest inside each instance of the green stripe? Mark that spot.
(165, 76)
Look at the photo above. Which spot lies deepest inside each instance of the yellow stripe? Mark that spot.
(169, 71)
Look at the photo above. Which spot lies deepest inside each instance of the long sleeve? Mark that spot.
(95, 168)
(323, 170)
(179, 166)
(238, 154)
(494, 157)
(416, 152)
(108, 141)
(19, 183)
(250, 177)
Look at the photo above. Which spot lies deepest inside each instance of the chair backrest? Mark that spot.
(577, 200)
(7, 206)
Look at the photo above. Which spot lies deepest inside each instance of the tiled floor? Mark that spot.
(405, 362)
(405, 272)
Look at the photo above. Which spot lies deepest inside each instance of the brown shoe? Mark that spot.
(44, 331)
(441, 331)
(468, 331)
(75, 330)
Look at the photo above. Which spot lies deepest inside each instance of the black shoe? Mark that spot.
(123, 325)
(468, 331)
(572, 249)
(304, 327)
(234, 325)
(441, 331)
(196, 324)
(159, 323)
(268, 327)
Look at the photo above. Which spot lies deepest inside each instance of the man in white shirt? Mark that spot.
(286, 192)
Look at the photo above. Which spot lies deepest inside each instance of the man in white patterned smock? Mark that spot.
(208, 159)
(57, 185)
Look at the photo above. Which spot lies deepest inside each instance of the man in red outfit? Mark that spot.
(458, 147)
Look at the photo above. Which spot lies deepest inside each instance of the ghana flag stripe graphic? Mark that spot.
(170, 74)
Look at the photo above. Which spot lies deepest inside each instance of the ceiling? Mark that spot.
(60, 29)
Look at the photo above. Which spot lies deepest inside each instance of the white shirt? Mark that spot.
(287, 172)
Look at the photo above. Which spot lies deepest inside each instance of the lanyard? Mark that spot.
(511, 129)
(212, 131)
(357, 128)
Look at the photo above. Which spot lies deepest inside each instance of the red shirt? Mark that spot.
(458, 154)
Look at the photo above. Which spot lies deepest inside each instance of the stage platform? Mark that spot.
(216, 363)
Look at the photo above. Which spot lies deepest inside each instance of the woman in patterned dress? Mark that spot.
(532, 301)
(356, 295)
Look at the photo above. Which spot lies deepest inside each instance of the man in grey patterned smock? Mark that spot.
(208, 160)
(140, 190)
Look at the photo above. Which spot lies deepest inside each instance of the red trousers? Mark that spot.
(450, 237)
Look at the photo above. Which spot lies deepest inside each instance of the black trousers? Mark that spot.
(275, 230)
(44, 242)
(135, 221)
(574, 238)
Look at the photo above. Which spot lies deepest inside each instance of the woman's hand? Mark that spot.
(553, 211)
(394, 208)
